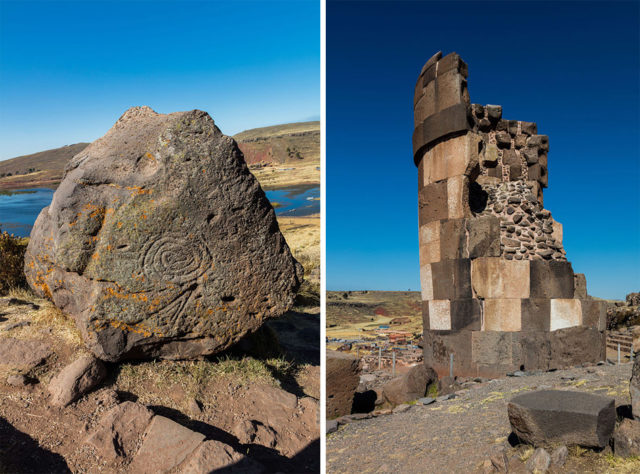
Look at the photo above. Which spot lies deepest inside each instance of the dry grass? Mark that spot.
(46, 317)
(623, 465)
(153, 382)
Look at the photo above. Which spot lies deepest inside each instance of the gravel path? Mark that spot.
(456, 435)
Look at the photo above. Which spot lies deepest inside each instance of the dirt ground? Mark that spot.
(458, 435)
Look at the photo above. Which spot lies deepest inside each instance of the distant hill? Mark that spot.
(289, 143)
(294, 143)
(44, 168)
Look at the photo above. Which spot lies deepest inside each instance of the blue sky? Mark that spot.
(573, 68)
(68, 70)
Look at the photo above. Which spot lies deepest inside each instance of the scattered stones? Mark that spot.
(17, 380)
(539, 461)
(409, 386)
(626, 438)
(147, 240)
(401, 408)
(75, 380)
(341, 381)
(426, 400)
(559, 456)
(547, 417)
(23, 354)
(119, 430)
(331, 426)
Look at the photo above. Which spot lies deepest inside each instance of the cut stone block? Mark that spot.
(426, 104)
(452, 62)
(453, 239)
(432, 203)
(554, 417)
(426, 282)
(458, 194)
(449, 88)
(466, 315)
(580, 286)
(454, 157)
(551, 279)
(440, 314)
(565, 313)
(483, 237)
(448, 121)
(502, 315)
(557, 231)
(536, 314)
(430, 243)
(451, 279)
(492, 348)
(494, 277)
(594, 314)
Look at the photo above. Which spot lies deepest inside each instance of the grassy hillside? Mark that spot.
(279, 156)
(40, 169)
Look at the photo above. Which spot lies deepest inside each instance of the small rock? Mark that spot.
(500, 461)
(332, 426)
(626, 438)
(16, 325)
(426, 400)
(445, 397)
(401, 408)
(76, 379)
(194, 407)
(567, 377)
(17, 380)
(539, 461)
(559, 456)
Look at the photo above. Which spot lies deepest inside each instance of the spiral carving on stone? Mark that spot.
(176, 258)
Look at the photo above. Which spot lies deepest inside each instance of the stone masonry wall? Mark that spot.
(527, 230)
(497, 290)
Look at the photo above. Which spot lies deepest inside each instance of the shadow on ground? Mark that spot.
(21, 453)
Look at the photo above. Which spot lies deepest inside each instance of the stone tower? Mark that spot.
(497, 290)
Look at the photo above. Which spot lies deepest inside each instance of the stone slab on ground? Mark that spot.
(23, 354)
(119, 430)
(166, 444)
(410, 385)
(551, 417)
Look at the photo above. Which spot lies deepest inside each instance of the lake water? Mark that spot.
(19, 209)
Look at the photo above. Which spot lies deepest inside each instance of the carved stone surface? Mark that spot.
(159, 242)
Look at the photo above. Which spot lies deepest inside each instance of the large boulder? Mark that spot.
(343, 375)
(159, 242)
(552, 417)
(410, 386)
(634, 388)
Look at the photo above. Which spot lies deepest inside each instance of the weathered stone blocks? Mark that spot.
(502, 315)
(551, 279)
(433, 203)
(455, 157)
(565, 313)
(451, 279)
(493, 277)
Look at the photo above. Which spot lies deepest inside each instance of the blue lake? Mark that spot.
(20, 208)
